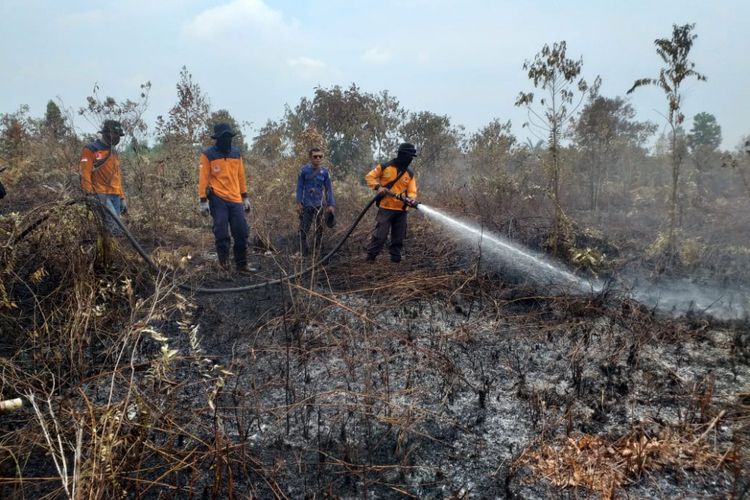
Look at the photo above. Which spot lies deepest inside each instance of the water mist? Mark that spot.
(674, 296)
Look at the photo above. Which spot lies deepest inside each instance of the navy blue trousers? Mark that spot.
(228, 217)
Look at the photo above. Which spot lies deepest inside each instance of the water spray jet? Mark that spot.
(535, 266)
(675, 297)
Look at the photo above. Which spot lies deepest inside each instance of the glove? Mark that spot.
(123, 206)
(246, 204)
(204, 208)
(410, 201)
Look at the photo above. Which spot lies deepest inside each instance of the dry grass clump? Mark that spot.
(118, 395)
(605, 465)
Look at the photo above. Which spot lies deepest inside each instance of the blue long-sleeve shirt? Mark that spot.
(311, 184)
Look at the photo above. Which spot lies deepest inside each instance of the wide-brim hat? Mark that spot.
(112, 127)
(223, 129)
(407, 148)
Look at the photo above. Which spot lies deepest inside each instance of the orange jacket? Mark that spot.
(100, 170)
(223, 173)
(380, 176)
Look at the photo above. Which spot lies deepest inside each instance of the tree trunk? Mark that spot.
(672, 242)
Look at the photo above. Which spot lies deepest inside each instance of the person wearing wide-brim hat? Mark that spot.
(100, 171)
(222, 190)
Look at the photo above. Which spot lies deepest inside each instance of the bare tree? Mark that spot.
(15, 134)
(128, 112)
(188, 119)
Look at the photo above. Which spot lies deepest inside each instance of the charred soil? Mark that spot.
(431, 378)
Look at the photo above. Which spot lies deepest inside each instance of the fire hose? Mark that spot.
(93, 203)
(134, 243)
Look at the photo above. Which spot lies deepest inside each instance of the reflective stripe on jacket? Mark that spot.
(100, 170)
(380, 176)
(224, 173)
(311, 183)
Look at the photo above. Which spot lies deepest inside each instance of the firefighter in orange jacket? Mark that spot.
(222, 191)
(393, 180)
(100, 171)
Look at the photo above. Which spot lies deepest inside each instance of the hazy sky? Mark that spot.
(460, 58)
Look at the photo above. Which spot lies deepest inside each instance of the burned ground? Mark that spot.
(438, 377)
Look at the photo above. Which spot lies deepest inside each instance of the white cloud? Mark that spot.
(239, 16)
(377, 55)
(307, 67)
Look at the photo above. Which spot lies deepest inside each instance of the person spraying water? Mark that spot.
(397, 191)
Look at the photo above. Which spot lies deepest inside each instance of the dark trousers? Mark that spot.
(229, 216)
(393, 221)
(310, 216)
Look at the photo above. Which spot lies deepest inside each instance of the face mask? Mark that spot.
(403, 160)
(111, 139)
(224, 143)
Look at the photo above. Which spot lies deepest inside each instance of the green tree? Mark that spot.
(223, 116)
(270, 144)
(605, 131)
(703, 142)
(490, 148)
(674, 53)
(559, 78)
(343, 117)
(705, 132)
(57, 148)
(54, 123)
(438, 143)
(355, 125)
(387, 116)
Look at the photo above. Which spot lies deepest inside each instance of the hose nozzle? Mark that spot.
(409, 201)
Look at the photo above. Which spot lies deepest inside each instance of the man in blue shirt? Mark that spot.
(313, 183)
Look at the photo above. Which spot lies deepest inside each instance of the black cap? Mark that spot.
(112, 127)
(222, 129)
(407, 149)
